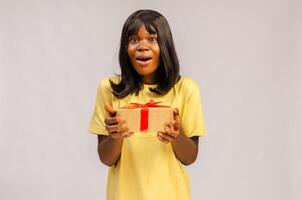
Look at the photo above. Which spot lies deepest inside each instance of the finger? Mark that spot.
(128, 134)
(162, 139)
(112, 128)
(168, 126)
(123, 130)
(122, 125)
(177, 123)
(111, 120)
(166, 137)
(120, 134)
(110, 110)
(170, 131)
(117, 127)
(175, 111)
(177, 118)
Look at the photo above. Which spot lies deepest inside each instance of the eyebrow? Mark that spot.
(136, 36)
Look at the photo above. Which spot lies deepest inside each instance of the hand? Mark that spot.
(116, 126)
(172, 130)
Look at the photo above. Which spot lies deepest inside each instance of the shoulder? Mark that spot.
(105, 85)
(187, 85)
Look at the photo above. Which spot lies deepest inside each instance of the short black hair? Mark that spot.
(167, 73)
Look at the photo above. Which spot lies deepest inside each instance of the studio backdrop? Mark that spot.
(245, 56)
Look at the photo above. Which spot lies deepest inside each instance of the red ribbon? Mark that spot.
(145, 111)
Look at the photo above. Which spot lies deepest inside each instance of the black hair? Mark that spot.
(167, 73)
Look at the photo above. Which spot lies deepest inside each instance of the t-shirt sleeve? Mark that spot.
(192, 117)
(103, 97)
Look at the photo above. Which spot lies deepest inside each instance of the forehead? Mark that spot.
(142, 32)
(136, 26)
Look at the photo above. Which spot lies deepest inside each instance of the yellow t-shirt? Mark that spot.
(148, 168)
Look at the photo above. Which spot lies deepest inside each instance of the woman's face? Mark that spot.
(144, 54)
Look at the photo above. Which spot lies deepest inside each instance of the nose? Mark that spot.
(143, 46)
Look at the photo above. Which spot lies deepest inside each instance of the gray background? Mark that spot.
(244, 54)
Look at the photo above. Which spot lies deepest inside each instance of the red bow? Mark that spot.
(150, 104)
(145, 111)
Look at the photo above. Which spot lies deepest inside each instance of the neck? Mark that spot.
(149, 80)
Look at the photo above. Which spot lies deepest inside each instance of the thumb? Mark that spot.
(110, 110)
(176, 112)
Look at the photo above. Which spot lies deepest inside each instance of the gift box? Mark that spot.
(148, 117)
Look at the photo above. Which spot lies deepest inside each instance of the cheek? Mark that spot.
(130, 56)
(130, 52)
(156, 51)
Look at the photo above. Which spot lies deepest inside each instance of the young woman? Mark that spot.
(148, 166)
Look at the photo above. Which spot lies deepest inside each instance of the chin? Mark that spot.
(144, 72)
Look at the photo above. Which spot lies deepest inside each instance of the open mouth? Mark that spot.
(143, 59)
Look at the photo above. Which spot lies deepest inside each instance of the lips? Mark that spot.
(143, 59)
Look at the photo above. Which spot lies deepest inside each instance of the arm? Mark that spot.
(184, 147)
(109, 147)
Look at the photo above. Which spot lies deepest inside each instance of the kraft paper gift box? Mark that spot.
(149, 117)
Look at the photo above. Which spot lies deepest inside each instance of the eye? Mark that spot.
(133, 40)
(152, 39)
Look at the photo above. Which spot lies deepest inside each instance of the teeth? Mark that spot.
(143, 59)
